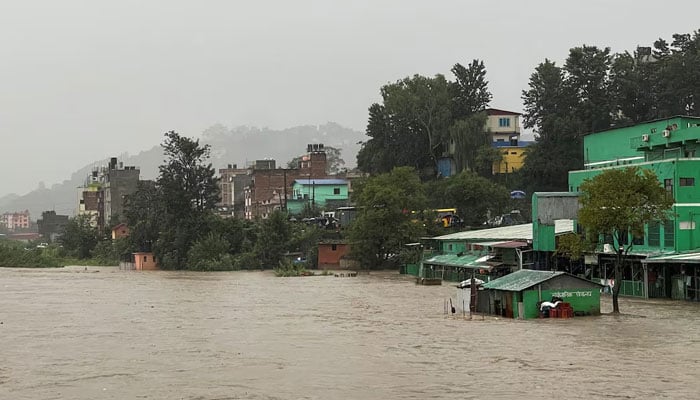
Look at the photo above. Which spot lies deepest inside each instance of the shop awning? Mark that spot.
(464, 261)
(688, 258)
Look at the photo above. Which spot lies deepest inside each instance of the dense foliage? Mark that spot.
(420, 116)
(385, 222)
(595, 90)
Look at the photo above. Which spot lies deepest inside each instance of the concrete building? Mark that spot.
(14, 221)
(51, 225)
(103, 196)
(271, 188)
(504, 130)
(317, 194)
(664, 261)
(232, 184)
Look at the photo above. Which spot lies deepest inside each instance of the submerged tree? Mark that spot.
(622, 201)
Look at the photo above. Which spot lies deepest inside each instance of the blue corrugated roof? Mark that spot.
(321, 181)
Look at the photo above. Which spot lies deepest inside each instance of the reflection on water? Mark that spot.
(75, 334)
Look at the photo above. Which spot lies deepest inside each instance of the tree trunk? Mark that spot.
(618, 284)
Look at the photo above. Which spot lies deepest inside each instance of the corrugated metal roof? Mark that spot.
(475, 261)
(521, 280)
(510, 245)
(321, 181)
(526, 278)
(503, 233)
(692, 258)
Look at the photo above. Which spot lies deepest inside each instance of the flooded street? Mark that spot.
(72, 334)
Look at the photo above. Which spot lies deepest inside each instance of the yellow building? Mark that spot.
(504, 127)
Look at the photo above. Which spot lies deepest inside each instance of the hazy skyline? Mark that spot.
(84, 80)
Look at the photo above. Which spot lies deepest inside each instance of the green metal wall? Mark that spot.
(622, 143)
(686, 208)
(581, 300)
(319, 194)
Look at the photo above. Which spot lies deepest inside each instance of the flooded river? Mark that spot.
(72, 334)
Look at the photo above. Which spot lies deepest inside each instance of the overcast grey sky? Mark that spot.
(82, 80)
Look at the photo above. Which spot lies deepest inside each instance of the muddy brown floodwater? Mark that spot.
(72, 334)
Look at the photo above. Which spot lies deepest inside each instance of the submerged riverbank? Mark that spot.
(176, 334)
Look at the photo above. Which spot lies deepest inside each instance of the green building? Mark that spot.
(486, 253)
(317, 194)
(664, 263)
(518, 295)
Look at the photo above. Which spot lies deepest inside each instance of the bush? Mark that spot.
(288, 268)
(13, 254)
(247, 261)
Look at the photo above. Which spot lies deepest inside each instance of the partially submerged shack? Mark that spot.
(519, 294)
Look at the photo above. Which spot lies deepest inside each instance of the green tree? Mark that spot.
(144, 215)
(410, 127)
(273, 239)
(79, 237)
(210, 253)
(473, 196)
(384, 223)
(470, 92)
(188, 192)
(469, 138)
(619, 201)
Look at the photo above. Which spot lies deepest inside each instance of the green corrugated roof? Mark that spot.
(464, 261)
(521, 280)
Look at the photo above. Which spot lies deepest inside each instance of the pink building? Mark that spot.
(15, 220)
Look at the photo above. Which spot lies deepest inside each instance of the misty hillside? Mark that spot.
(240, 145)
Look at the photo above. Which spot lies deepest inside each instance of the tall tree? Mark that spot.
(470, 92)
(384, 224)
(587, 82)
(189, 192)
(619, 201)
(410, 128)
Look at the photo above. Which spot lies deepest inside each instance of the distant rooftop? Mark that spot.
(496, 111)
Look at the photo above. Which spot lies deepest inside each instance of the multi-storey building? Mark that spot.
(270, 188)
(665, 261)
(103, 196)
(504, 130)
(13, 221)
(51, 225)
(232, 184)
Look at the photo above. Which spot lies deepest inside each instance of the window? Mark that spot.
(638, 240)
(687, 182)
(504, 122)
(336, 190)
(449, 247)
(334, 247)
(654, 234)
(686, 225)
(500, 140)
(668, 185)
(145, 258)
(669, 234)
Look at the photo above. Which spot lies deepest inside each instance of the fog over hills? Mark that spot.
(240, 145)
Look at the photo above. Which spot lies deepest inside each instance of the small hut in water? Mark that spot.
(520, 294)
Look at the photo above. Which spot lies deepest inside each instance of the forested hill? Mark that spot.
(229, 146)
